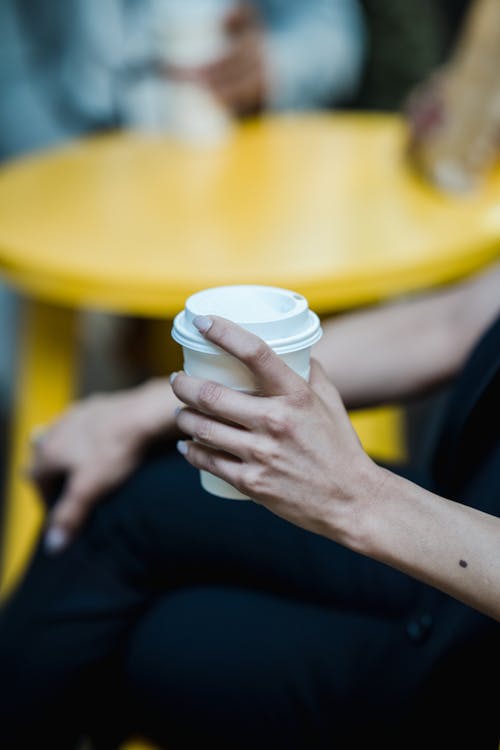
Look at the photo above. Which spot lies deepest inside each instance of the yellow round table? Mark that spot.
(321, 203)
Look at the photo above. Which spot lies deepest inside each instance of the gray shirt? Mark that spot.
(70, 66)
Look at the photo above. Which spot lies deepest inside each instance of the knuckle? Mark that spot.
(277, 423)
(254, 480)
(204, 431)
(210, 394)
(263, 453)
(259, 354)
(260, 454)
(211, 463)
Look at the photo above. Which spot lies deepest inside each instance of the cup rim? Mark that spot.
(302, 340)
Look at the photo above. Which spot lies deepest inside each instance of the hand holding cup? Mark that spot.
(279, 316)
(289, 446)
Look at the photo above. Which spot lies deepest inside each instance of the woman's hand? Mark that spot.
(93, 447)
(239, 78)
(425, 107)
(291, 447)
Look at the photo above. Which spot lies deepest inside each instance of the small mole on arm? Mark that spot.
(463, 563)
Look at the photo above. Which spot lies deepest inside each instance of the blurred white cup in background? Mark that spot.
(188, 34)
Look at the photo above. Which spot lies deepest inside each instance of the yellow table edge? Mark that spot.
(376, 284)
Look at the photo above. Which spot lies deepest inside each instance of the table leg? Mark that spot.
(45, 385)
(382, 433)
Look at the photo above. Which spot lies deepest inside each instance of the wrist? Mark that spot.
(372, 511)
(394, 519)
(358, 526)
(152, 406)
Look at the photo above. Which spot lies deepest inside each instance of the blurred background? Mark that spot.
(72, 68)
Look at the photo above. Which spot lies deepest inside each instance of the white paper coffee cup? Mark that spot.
(280, 317)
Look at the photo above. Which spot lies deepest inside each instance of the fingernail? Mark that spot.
(55, 540)
(182, 447)
(202, 323)
(173, 377)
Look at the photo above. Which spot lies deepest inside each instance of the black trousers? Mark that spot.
(188, 618)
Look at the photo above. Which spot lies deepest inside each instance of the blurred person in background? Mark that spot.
(406, 41)
(68, 68)
(454, 115)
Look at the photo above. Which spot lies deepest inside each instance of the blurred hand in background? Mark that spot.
(454, 115)
(239, 79)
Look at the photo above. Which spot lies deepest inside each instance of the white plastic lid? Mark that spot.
(279, 316)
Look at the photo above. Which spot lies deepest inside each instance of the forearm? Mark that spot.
(400, 350)
(152, 409)
(449, 546)
(298, 455)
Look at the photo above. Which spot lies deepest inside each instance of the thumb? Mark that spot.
(70, 511)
